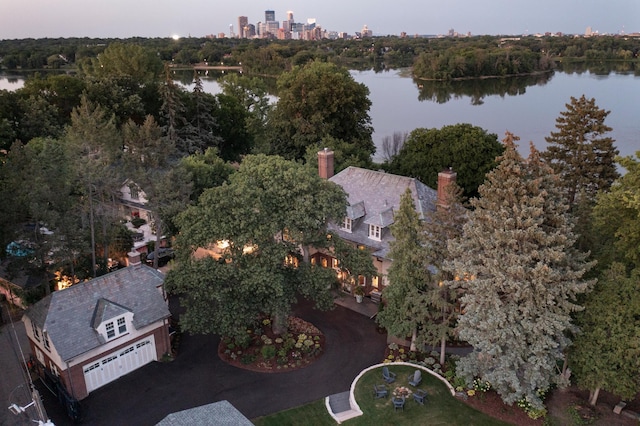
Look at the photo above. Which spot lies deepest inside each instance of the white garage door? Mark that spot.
(119, 363)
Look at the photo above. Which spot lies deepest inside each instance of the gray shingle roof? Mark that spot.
(68, 316)
(376, 195)
(220, 413)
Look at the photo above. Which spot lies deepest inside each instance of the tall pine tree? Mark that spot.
(406, 307)
(519, 277)
(579, 152)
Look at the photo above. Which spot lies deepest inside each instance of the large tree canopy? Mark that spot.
(579, 152)
(519, 277)
(268, 211)
(315, 101)
(469, 150)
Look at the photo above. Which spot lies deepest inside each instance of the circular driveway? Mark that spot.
(198, 376)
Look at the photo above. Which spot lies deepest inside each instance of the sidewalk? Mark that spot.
(367, 307)
(14, 386)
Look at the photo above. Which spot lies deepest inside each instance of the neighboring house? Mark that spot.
(94, 332)
(373, 197)
(133, 204)
(220, 413)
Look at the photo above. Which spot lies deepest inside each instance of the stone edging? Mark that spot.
(355, 408)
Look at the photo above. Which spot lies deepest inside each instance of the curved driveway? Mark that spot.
(198, 376)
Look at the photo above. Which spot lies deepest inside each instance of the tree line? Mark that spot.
(433, 58)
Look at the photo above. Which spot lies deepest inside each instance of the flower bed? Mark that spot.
(264, 351)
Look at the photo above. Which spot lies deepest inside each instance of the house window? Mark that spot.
(134, 192)
(45, 337)
(40, 356)
(111, 332)
(116, 328)
(122, 326)
(374, 232)
(36, 333)
(54, 369)
(334, 263)
(346, 224)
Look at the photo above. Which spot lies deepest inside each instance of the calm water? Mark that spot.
(530, 112)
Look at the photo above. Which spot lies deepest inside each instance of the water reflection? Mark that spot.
(444, 91)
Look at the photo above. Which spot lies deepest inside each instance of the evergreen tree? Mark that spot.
(441, 225)
(519, 278)
(405, 308)
(94, 145)
(579, 152)
(606, 355)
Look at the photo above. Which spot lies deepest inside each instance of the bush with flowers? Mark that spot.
(261, 350)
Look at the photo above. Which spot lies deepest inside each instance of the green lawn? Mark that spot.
(440, 409)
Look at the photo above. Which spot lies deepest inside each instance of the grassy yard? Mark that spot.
(440, 409)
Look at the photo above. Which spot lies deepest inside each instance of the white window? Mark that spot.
(36, 333)
(346, 224)
(122, 326)
(134, 192)
(111, 332)
(54, 369)
(40, 356)
(374, 232)
(115, 328)
(45, 337)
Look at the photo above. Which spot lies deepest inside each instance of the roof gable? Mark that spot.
(106, 310)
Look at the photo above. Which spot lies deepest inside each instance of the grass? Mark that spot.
(440, 409)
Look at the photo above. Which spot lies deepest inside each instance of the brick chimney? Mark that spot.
(133, 258)
(325, 163)
(445, 178)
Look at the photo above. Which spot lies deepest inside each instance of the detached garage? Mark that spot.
(95, 332)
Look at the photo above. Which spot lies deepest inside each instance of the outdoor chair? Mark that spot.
(415, 378)
(380, 391)
(388, 376)
(419, 396)
(398, 403)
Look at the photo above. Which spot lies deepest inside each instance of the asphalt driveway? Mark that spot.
(198, 376)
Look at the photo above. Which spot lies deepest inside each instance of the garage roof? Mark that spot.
(67, 315)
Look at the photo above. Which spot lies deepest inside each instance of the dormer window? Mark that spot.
(115, 328)
(45, 338)
(375, 232)
(134, 192)
(346, 224)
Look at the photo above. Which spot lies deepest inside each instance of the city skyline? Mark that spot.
(199, 18)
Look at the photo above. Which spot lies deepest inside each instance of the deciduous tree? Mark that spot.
(317, 100)
(469, 150)
(270, 208)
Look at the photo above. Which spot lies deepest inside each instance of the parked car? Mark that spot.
(165, 254)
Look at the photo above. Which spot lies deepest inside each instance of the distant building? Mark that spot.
(588, 32)
(243, 22)
(366, 32)
(269, 15)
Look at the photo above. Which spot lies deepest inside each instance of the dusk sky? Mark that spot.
(165, 18)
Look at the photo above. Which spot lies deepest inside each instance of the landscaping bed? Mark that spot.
(267, 352)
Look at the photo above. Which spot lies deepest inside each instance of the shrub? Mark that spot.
(268, 351)
(137, 222)
(248, 359)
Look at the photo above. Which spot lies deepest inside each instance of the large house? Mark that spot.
(373, 197)
(94, 332)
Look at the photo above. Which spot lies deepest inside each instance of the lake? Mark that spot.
(528, 111)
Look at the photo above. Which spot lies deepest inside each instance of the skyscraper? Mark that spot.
(269, 15)
(243, 21)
